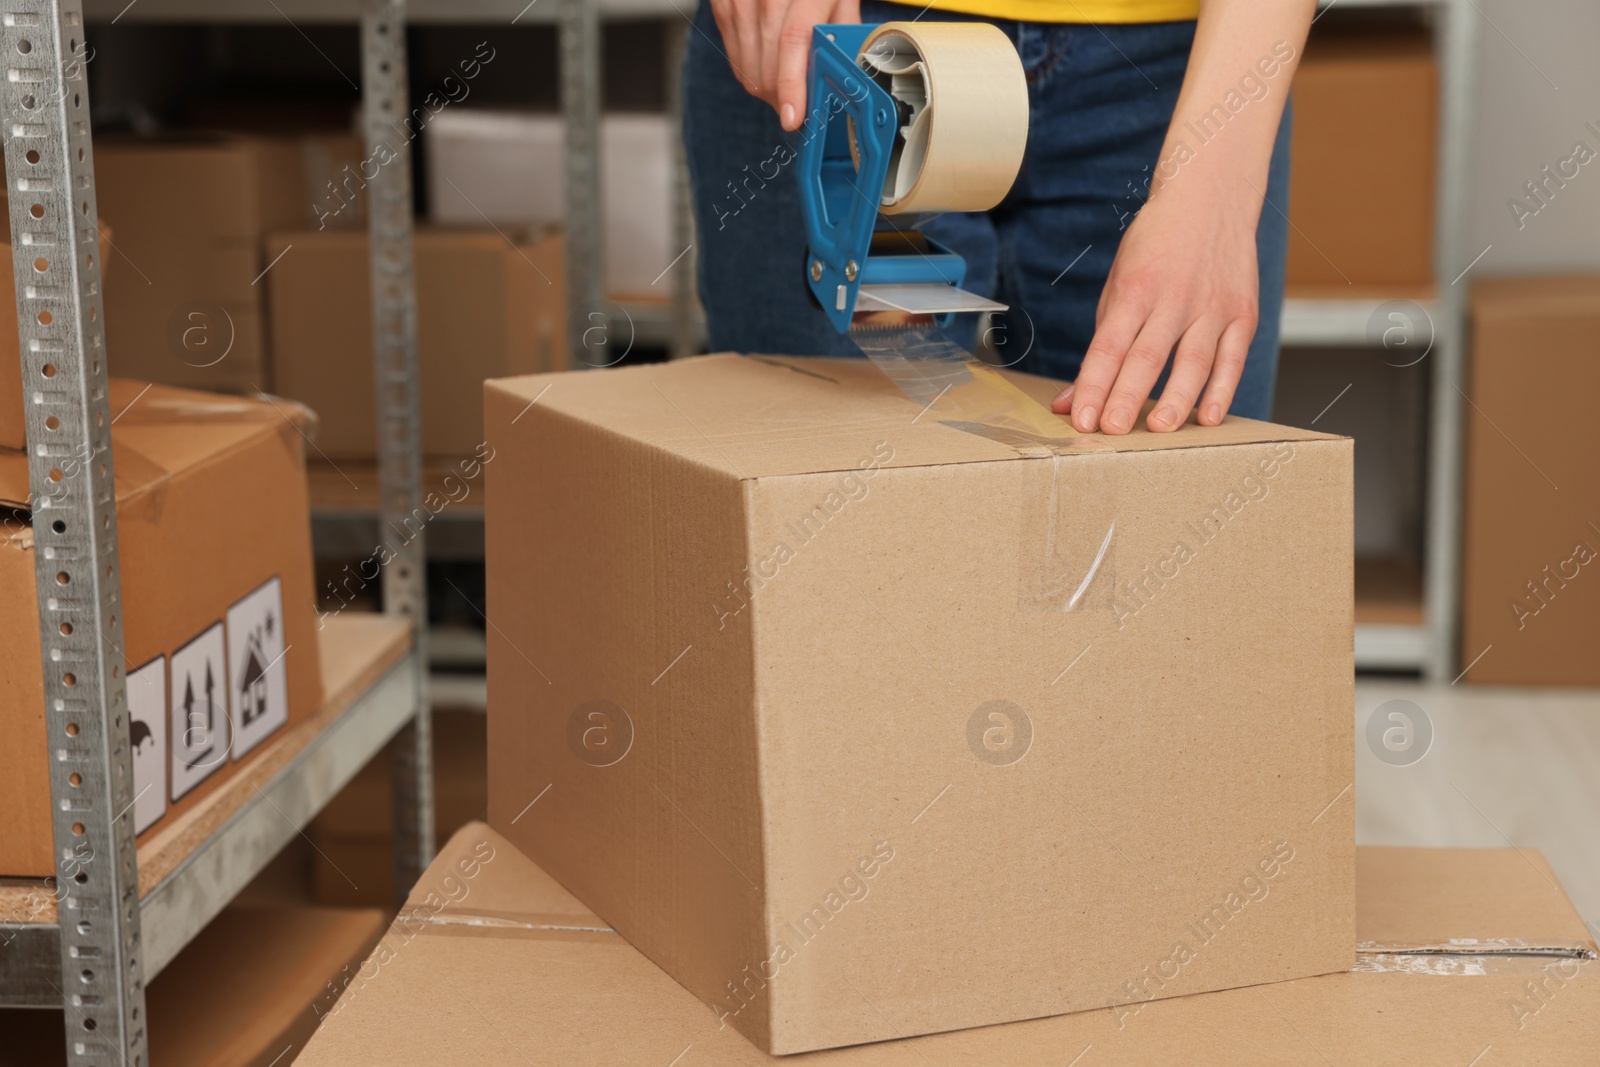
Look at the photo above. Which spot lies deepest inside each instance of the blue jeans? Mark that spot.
(1101, 98)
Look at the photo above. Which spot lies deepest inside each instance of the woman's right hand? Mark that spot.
(768, 44)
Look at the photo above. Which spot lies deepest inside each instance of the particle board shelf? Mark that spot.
(190, 870)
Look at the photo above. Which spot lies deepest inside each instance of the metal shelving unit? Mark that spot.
(1431, 645)
(106, 940)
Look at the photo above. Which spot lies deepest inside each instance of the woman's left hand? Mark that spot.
(1184, 278)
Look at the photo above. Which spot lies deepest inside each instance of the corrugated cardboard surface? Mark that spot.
(1531, 535)
(245, 993)
(485, 308)
(211, 504)
(504, 966)
(190, 214)
(1361, 187)
(13, 431)
(810, 772)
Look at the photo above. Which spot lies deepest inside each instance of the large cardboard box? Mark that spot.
(806, 686)
(1461, 950)
(486, 308)
(219, 625)
(1361, 187)
(13, 429)
(190, 214)
(509, 167)
(1530, 586)
(248, 991)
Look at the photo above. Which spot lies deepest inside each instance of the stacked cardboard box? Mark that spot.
(190, 216)
(1462, 951)
(218, 626)
(247, 992)
(1530, 595)
(808, 685)
(1361, 187)
(487, 306)
(509, 168)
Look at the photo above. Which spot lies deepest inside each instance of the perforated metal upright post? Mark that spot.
(1456, 45)
(588, 317)
(389, 129)
(683, 237)
(61, 326)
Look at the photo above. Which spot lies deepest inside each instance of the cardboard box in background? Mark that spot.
(353, 863)
(566, 993)
(214, 547)
(510, 167)
(1530, 577)
(486, 308)
(824, 692)
(1361, 183)
(190, 214)
(13, 428)
(244, 992)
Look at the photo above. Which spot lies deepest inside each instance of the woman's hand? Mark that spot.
(768, 43)
(1184, 277)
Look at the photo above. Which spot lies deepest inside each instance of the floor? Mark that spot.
(1505, 767)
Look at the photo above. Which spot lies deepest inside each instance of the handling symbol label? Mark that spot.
(199, 710)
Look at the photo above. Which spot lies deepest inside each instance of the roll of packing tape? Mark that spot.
(964, 113)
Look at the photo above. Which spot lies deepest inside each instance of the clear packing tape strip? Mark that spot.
(962, 391)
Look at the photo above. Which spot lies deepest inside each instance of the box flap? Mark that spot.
(160, 430)
(1442, 896)
(765, 416)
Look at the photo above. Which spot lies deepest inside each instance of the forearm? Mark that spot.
(1219, 143)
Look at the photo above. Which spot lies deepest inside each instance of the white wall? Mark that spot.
(1538, 85)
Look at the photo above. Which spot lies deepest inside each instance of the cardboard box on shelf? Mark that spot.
(190, 213)
(802, 669)
(219, 627)
(1530, 590)
(1428, 986)
(13, 431)
(509, 167)
(244, 993)
(1361, 187)
(485, 308)
(353, 864)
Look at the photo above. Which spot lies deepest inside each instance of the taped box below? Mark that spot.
(491, 961)
(796, 681)
(218, 627)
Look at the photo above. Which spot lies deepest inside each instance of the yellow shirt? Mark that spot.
(1076, 10)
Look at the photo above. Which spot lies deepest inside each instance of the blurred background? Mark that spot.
(1444, 311)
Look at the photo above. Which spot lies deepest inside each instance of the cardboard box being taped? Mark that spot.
(1461, 950)
(804, 686)
(219, 627)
